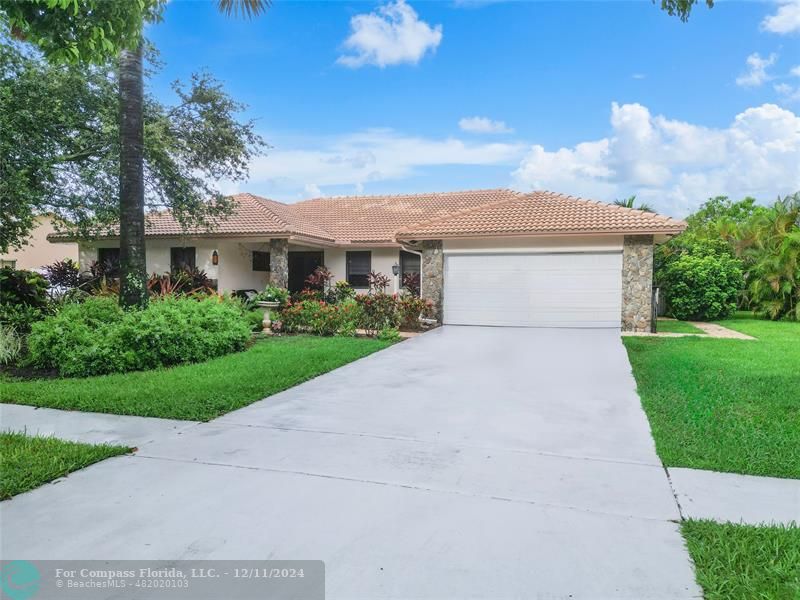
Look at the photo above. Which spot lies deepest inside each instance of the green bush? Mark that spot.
(320, 318)
(20, 316)
(410, 309)
(22, 287)
(273, 293)
(98, 337)
(702, 287)
(378, 310)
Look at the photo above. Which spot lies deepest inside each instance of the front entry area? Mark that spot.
(568, 289)
(301, 265)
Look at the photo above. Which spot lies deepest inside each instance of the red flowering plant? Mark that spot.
(378, 311)
(411, 283)
(410, 309)
(377, 282)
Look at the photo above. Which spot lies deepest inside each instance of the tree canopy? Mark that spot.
(59, 152)
(85, 31)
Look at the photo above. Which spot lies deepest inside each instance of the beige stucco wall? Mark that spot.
(382, 261)
(38, 252)
(235, 269)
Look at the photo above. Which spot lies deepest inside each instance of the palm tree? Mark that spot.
(629, 203)
(133, 265)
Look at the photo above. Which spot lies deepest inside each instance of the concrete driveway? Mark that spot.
(465, 463)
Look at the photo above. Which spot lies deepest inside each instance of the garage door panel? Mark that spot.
(543, 290)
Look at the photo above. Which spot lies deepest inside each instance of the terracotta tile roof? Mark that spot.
(386, 219)
(541, 213)
(361, 219)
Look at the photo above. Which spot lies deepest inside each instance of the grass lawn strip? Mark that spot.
(744, 561)
(724, 405)
(201, 391)
(26, 462)
(672, 326)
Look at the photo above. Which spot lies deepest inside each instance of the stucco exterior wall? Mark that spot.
(38, 252)
(382, 261)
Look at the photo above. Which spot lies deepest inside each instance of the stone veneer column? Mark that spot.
(279, 262)
(637, 282)
(432, 267)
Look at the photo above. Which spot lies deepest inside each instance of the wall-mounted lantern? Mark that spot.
(395, 269)
(215, 258)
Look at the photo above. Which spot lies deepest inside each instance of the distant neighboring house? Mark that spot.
(39, 251)
(486, 257)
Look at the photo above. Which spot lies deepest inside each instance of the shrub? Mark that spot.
(411, 283)
(255, 320)
(63, 274)
(377, 282)
(22, 287)
(97, 336)
(341, 292)
(410, 309)
(702, 287)
(10, 345)
(378, 310)
(180, 282)
(389, 334)
(20, 317)
(320, 279)
(320, 318)
(273, 293)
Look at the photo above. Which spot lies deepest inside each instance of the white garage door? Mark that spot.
(533, 290)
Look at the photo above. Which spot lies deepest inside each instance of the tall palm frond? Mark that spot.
(630, 202)
(245, 8)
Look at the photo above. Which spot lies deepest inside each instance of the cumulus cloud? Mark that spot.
(674, 165)
(483, 125)
(795, 71)
(392, 35)
(785, 20)
(756, 70)
(375, 155)
(312, 190)
(788, 93)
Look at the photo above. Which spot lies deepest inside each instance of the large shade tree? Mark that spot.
(94, 31)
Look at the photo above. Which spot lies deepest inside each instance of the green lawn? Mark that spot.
(202, 391)
(742, 562)
(673, 326)
(27, 462)
(724, 405)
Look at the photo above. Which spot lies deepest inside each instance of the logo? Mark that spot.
(19, 579)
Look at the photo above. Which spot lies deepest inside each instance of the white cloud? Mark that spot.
(674, 165)
(756, 70)
(483, 125)
(312, 190)
(785, 20)
(795, 71)
(788, 93)
(374, 155)
(391, 36)
(638, 76)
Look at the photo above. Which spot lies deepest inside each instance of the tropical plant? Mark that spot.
(273, 293)
(10, 345)
(411, 283)
(319, 279)
(410, 309)
(63, 274)
(771, 250)
(378, 310)
(341, 292)
(630, 202)
(21, 287)
(377, 282)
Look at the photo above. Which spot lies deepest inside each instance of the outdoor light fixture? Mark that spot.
(395, 269)
(215, 258)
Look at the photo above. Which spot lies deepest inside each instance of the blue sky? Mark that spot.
(599, 99)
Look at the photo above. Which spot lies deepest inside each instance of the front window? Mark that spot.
(359, 264)
(108, 258)
(182, 259)
(260, 261)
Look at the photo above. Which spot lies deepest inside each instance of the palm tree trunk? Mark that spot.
(133, 269)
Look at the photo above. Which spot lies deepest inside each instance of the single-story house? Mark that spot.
(486, 257)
